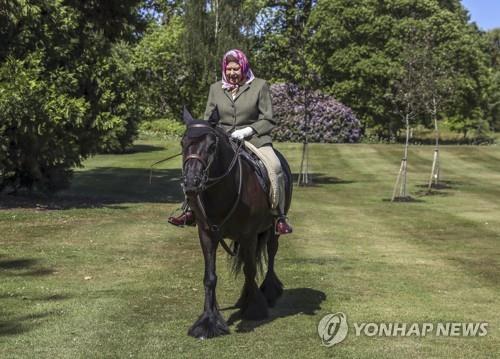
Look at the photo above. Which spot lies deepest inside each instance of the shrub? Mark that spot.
(163, 127)
(330, 121)
(40, 128)
(118, 110)
(67, 87)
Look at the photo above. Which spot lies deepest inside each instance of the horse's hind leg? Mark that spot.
(210, 323)
(271, 286)
(252, 302)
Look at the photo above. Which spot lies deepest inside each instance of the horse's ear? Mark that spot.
(214, 117)
(186, 116)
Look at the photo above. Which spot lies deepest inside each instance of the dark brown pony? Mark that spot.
(228, 202)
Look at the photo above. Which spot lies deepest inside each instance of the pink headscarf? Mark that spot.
(245, 68)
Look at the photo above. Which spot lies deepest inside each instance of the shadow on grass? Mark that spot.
(142, 148)
(436, 193)
(105, 186)
(112, 186)
(318, 179)
(21, 324)
(27, 267)
(17, 263)
(408, 199)
(446, 141)
(441, 185)
(136, 148)
(27, 297)
(293, 301)
(482, 266)
(437, 189)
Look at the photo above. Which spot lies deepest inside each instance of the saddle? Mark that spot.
(258, 168)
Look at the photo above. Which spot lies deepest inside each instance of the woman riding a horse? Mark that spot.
(245, 111)
(226, 196)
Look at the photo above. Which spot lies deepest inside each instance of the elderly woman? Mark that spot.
(245, 110)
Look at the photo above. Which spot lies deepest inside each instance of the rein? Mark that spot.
(158, 162)
(213, 181)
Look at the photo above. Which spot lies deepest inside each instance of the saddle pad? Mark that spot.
(258, 167)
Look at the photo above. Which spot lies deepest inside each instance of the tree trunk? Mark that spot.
(405, 159)
(402, 178)
(216, 34)
(304, 164)
(435, 171)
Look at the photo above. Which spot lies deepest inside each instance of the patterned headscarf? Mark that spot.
(245, 68)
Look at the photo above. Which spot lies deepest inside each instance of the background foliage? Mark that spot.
(327, 120)
(79, 77)
(66, 87)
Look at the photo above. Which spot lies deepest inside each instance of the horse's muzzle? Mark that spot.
(191, 191)
(192, 186)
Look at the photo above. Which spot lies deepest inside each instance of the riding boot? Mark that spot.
(186, 218)
(282, 226)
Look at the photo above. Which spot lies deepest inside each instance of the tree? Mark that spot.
(163, 70)
(437, 81)
(280, 44)
(493, 52)
(179, 55)
(212, 27)
(283, 42)
(356, 51)
(119, 108)
(406, 97)
(60, 94)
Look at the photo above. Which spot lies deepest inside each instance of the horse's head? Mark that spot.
(200, 145)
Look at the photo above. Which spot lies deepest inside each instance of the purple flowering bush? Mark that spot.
(330, 121)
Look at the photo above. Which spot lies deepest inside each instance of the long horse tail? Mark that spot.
(244, 253)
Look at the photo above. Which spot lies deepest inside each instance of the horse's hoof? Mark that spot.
(256, 307)
(242, 302)
(272, 288)
(209, 325)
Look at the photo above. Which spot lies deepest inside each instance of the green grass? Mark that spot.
(97, 272)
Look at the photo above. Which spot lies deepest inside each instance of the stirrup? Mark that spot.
(281, 226)
(184, 219)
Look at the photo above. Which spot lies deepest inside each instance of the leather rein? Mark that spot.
(206, 182)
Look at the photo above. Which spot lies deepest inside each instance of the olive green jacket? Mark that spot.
(251, 107)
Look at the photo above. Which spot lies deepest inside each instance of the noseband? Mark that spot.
(205, 178)
(206, 168)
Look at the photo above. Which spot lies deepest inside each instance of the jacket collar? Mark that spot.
(240, 91)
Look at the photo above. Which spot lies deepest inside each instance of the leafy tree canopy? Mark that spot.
(65, 87)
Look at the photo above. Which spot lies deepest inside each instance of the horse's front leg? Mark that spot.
(210, 324)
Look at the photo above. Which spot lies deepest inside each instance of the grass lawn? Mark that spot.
(97, 273)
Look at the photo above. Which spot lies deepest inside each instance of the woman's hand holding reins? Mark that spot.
(243, 133)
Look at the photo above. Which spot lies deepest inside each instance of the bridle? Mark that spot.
(205, 181)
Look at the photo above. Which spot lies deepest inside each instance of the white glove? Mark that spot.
(243, 133)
